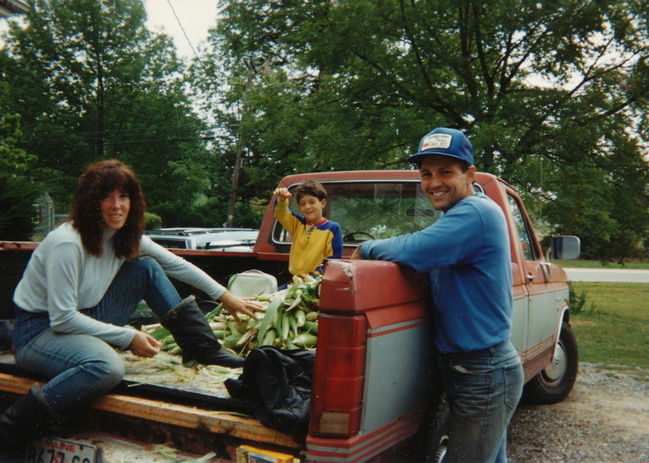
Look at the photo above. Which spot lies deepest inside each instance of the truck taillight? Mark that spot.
(339, 375)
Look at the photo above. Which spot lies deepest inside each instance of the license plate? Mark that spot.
(61, 451)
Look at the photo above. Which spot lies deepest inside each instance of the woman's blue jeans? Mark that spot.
(483, 390)
(81, 367)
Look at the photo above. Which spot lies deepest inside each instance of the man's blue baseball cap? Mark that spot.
(444, 141)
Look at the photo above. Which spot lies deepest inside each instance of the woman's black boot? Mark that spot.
(193, 334)
(23, 421)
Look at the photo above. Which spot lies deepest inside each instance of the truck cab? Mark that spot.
(369, 377)
(386, 348)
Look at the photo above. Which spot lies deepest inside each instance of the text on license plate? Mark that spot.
(60, 451)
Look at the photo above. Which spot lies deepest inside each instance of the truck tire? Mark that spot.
(554, 382)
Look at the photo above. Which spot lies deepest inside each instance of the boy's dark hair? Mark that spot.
(311, 188)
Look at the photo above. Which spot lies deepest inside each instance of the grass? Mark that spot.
(583, 263)
(612, 327)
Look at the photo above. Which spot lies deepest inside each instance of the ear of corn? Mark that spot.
(311, 327)
(306, 340)
(286, 325)
(268, 340)
(245, 339)
(293, 325)
(268, 319)
(290, 321)
(300, 318)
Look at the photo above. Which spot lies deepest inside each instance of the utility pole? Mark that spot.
(240, 148)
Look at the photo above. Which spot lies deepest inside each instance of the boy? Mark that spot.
(314, 237)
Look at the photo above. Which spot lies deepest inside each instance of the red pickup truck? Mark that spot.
(371, 383)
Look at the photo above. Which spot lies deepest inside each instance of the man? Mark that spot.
(466, 255)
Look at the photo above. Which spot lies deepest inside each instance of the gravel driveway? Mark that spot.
(605, 419)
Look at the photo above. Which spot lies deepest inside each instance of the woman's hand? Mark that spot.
(283, 192)
(144, 345)
(234, 304)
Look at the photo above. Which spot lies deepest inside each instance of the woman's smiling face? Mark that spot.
(114, 209)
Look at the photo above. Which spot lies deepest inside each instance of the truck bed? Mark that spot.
(188, 409)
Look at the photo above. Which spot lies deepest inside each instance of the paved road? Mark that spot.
(608, 275)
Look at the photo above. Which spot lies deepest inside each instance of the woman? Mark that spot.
(80, 288)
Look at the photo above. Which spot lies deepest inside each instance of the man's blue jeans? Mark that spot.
(83, 367)
(483, 390)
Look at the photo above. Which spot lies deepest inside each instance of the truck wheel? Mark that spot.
(554, 383)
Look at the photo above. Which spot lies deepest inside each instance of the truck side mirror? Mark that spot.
(565, 247)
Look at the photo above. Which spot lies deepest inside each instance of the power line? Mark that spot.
(182, 28)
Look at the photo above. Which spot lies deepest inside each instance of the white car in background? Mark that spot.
(210, 239)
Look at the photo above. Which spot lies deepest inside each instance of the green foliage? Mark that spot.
(152, 221)
(17, 197)
(17, 191)
(578, 302)
(91, 82)
(552, 94)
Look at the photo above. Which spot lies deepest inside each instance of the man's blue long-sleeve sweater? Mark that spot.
(466, 255)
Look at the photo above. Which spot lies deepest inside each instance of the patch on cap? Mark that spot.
(436, 141)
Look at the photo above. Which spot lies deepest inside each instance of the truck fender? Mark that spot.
(564, 315)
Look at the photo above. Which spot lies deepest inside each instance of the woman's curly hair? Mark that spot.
(98, 181)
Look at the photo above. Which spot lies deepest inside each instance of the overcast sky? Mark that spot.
(195, 16)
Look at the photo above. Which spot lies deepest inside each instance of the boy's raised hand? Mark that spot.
(283, 192)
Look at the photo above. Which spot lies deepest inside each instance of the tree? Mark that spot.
(17, 191)
(547, 92)
(91, 82)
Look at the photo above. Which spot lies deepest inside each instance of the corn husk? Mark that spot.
(290, 321)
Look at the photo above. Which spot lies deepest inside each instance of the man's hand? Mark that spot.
(234, 304)
(356, 254)
(144, 345)
(283, 192)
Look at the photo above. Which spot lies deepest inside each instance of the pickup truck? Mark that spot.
(372, 385)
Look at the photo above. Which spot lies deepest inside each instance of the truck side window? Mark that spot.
(529, 251)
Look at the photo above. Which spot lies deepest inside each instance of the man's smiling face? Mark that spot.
(444, 181)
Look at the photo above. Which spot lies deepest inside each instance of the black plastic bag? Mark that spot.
(278, 382)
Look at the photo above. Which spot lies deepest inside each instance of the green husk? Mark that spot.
(269, 338)
(305, 340)
(289, 321)
(269, 316)
(300, 317)
(311, 327)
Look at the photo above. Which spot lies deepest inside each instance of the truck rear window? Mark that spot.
(372, 210)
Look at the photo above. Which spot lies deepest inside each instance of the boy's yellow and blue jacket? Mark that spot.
(311, 244)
